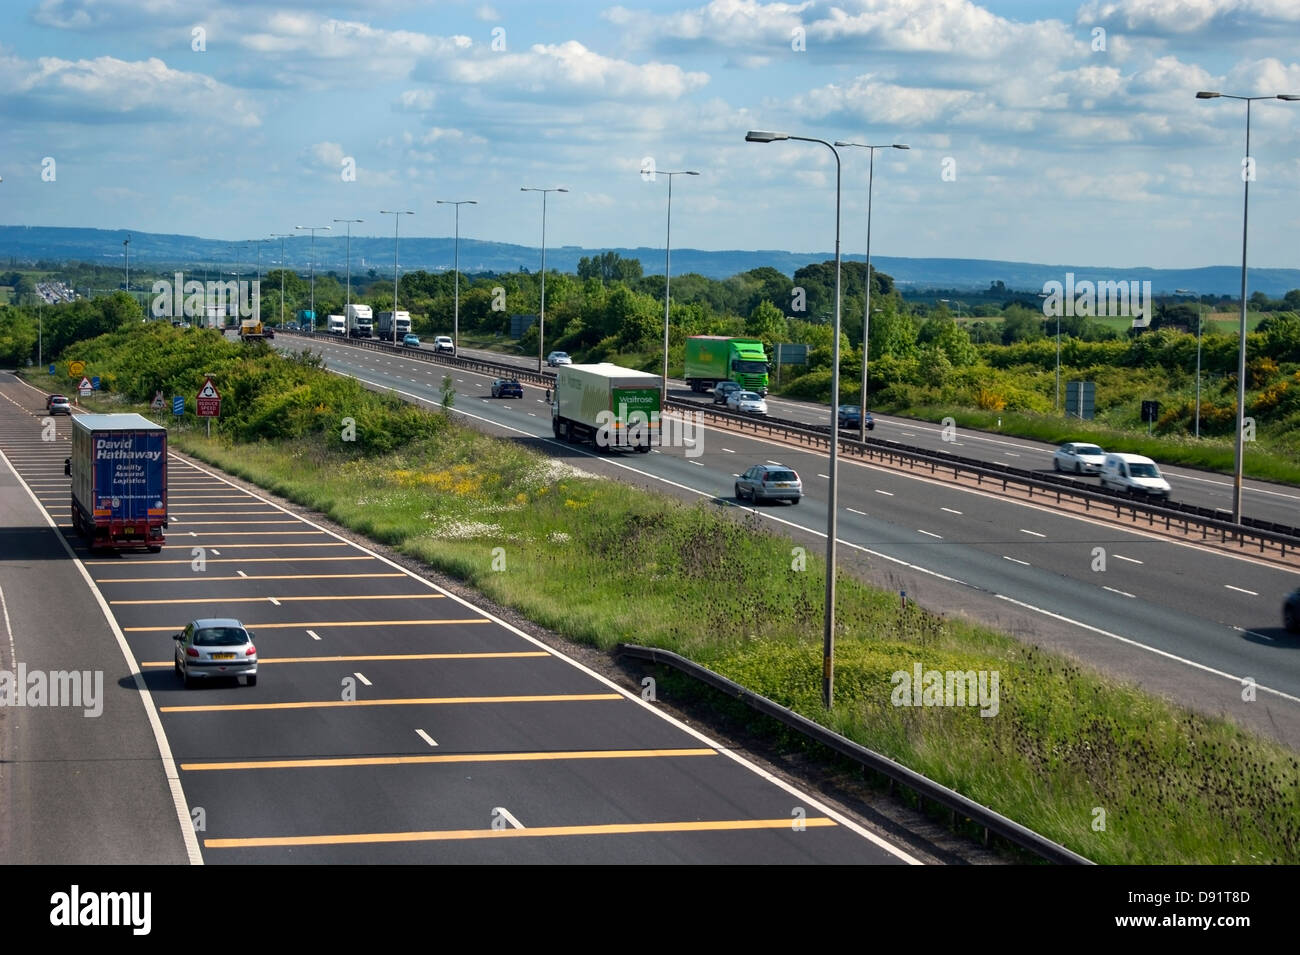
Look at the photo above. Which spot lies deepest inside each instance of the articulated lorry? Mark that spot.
(361, 321)
(336, 324)
(714, 358)
(387, 321)
(306, 320)
(609, 406)
(119, 481)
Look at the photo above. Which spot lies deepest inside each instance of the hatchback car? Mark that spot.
(58, 404)
(1291, 611)
(746, 402)
(1079, 457)
(557, 358)
(851, 418)
(722, 390)
(444, 345)
(769, 482)
(215, 647)
(411, 341)
(507, 388)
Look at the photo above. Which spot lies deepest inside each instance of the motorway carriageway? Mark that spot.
(1260, 499)
(1181, 620)
(392, 721)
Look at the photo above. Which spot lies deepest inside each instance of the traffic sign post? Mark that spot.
(52, 367)
(157, 403)
(76, 369)
(85, 387)
(178, 405)
(94, 383)
(209, 402)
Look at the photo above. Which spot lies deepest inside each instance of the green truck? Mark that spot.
(714, 358)
(609, 406)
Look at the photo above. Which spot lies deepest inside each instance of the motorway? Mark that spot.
(1260, 499)
(393, 722)
(1180, 620)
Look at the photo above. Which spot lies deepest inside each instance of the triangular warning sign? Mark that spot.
(85, 383)
(208, 390)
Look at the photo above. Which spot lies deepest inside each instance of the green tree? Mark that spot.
(766, 323)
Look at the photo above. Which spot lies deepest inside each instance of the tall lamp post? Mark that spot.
(282, 236)
(349, 267)
(1241, 356)
(397, 217)
(313, 229)
(1200, 322)
(866, 311)
(828, 630)
(541, 314)
(668, 259)
(126, 258)
(455, 319)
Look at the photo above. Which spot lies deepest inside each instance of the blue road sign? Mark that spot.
(94, 382)
(178, 405)
(51, 369)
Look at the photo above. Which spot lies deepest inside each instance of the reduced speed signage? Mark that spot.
(208, 400)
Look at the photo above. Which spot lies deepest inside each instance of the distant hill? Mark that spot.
(28, 244)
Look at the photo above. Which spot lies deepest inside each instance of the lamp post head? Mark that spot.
(1289, 97)
(763, 136)
(901, 146)
(1203, 94)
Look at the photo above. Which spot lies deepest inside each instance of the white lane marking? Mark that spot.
(362, 678)
(1003, 463)
(1014, 561)
(1122, 593)
(909, 434)
(241, 573)
(1131, 560)
(1253, 633)
(426, 737)
(1035, 533)
(854, 510)
(927, 533)
(216, 552)
(774, 462)
(826, 476)
(1241, 590)
(504, 813)
(729, 451)
(950, 510)
(1012, 454)
(697, 464)
(274, 601)
(13, 652)
(886, 493)
(312, 634)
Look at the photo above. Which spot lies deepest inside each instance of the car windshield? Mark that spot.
(511, 384)
(747, 396)
(220, 637)
(781, 476)
(1089, 449)
(750, 367)
(1143, 470)
(848, 409)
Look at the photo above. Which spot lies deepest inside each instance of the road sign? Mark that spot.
(1150, 411)
(209, 400)
(1080, 399)
(792, 354)
(85, 387)
(51, 369)
(178, 405)
(76, 369)
(94, 382)
(157, 403)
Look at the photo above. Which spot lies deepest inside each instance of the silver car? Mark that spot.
(557, 358)
(215, 647)
(1079, 457)
(746, 402)
(769, 482)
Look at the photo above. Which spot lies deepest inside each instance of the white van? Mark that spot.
(1134, 474)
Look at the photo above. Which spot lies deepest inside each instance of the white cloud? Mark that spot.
(1186, 16)
(415, 101)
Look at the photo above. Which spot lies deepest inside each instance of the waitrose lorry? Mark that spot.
(119, 481)
(714, 358)
(609, 406)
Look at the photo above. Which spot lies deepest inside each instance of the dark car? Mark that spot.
(851, 418)
(722, 391)
(507, 388)
(1291, 611)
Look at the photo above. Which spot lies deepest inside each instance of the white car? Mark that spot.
(557, 358)
(443, 343)
(1079, 457)
(746, 402)
(1134, 474)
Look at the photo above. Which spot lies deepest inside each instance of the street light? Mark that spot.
(1241, 356)
(397, 217)
(313, 229)
(541, 315)
(828, 630)
(126, 255)
(282, 236)
(1200, 321)
(349, 260)
(668, 259)
(866, 311)
(455, 320)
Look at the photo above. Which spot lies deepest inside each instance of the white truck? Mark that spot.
(361, 321)
(402, 320)
(610, 406)
(336, 325)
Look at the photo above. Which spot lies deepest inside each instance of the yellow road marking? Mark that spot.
(257, 533)
(345, 761)
(190, 523)
(316, 623)
(445, 835)
(245, 600)
(237, 560)
(413, 701)
(194, 579)
(381, 657)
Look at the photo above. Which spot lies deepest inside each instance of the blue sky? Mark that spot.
(1056, 150)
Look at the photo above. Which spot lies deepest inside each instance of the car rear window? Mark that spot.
(220, 637)
(782, 476)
